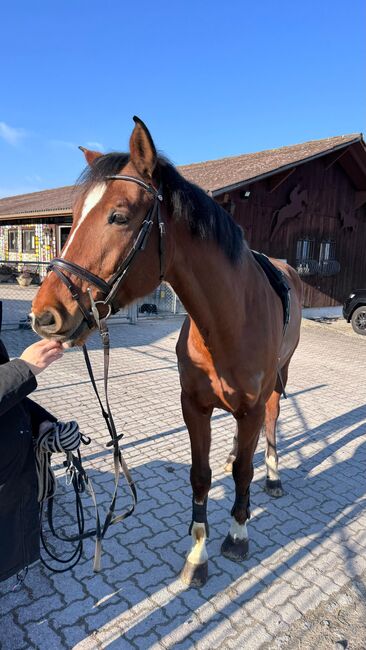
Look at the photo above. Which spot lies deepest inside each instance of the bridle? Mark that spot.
(59, 265)
(74, 468)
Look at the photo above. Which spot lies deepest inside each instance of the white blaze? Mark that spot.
(91, 200)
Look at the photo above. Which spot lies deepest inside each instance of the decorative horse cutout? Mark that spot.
(232, 343)
(298, 201)
(348, 219)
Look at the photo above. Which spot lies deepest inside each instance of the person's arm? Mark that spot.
(16, 382)
(17, 377)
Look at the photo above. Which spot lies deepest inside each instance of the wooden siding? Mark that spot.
(330, 198)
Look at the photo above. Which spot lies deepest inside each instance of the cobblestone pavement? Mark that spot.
(305, 547)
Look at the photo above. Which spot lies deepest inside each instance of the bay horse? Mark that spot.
(232, 345)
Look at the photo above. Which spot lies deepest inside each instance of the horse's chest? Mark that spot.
(223, 389)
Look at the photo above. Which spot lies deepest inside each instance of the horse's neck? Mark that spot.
(215, 292)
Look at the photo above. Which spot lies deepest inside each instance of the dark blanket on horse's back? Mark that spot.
(277, 281)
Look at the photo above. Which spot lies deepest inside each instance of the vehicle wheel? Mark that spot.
(358, 320)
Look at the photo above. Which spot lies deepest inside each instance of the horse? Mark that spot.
(138, 221)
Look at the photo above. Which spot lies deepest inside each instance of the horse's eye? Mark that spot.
(117, 217)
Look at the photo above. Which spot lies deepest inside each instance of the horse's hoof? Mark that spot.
(235, 549)
(274, 488)
(194, 575)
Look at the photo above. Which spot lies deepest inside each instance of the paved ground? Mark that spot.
(304, 581)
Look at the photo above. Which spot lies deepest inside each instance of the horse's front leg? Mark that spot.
(198, 422)
(236, 544)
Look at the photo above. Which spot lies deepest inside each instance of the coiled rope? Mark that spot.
(64, 437)
(59, 437)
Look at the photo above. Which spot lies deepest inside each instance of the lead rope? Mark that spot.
(118, 459)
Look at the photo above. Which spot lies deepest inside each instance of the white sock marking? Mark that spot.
(198, 553)
(91, 200)
(238, 531)
(272, 468)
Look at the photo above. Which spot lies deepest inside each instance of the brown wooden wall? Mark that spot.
(326, 213)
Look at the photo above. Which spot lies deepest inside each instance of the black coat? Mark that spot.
(19, 511)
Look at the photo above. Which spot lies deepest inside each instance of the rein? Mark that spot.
(92, 317)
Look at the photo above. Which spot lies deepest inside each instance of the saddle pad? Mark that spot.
(277, 281)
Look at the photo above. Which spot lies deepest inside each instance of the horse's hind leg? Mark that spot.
(236, 545)
(231, 457)
(273, 485)
(198, 421)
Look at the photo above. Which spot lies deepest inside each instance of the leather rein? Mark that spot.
(76, 472)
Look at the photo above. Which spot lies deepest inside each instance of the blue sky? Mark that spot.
(209, 78)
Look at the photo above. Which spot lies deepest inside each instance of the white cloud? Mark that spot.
(63, 143)
(20, 189)
(95, 145)
(11, 135)
(33, 178)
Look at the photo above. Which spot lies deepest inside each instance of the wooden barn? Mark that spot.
(304, 203)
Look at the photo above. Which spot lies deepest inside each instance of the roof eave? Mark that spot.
(35, 214)
(302, 161)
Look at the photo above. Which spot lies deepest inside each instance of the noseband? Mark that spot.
(110, 288)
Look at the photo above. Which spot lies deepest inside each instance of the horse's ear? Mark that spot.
(90, 155)
(142, 149)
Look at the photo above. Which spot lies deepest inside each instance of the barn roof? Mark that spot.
(225, 174)
(214, 176)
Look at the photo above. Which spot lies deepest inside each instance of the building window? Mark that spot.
(327, 251)
(305, 263)
(328, 264)
(28, 241)
(13, 240)
(304, 249)
(64, 232)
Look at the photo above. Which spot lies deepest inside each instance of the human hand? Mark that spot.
(41, 354)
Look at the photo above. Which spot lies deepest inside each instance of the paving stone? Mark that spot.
(304, 547)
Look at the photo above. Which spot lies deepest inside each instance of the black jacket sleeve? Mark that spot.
(16, 382)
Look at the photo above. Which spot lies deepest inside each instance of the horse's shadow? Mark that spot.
(138, 594)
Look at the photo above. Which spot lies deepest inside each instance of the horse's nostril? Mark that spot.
(47, 318)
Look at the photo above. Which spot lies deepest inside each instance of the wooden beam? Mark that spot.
(332, 158)
(275, 181)
(360, 199)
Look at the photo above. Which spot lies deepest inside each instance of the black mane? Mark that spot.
(205, 218)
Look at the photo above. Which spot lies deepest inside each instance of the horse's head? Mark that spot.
(109, 220)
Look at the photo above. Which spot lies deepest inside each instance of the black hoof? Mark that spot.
(274, 488)
(194, 575)
(235, 549)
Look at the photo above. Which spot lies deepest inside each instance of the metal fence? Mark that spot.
(19, 286)
(161, 302)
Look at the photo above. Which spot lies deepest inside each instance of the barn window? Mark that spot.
(13, 240)
(305, 263)
(29, 241)
(327, 251)
(328, 264)
(304, 249)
